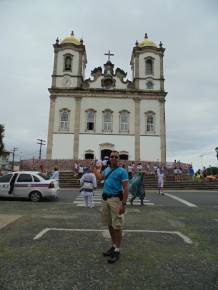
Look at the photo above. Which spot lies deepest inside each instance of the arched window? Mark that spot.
(90, 120)
(68, 62)
(64, 120)
(107, 121)
(150, 85)
(150, 122)
(149, 66)
(124, 121)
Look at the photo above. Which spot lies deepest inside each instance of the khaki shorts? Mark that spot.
(110, 215)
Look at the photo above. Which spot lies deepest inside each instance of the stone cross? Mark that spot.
(109, 54)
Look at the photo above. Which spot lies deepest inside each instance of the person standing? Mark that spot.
(160, 181)
(136, 187)
(55, 174)
(88, 183)
(115, 195)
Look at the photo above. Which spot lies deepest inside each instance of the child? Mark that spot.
(88, 183)
(160, 178)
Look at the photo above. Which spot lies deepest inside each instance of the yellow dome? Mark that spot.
(147, 42)
(71, 39)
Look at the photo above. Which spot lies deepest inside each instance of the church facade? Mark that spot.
(90, 117)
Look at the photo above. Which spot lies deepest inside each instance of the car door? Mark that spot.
(23, 184)
(5, 184)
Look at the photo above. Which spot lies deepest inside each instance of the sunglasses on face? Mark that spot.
(113, 156)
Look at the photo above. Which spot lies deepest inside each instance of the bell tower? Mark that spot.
(147, 65)
(69, 62)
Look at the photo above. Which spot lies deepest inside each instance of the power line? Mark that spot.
(13, 155)
(41, 142)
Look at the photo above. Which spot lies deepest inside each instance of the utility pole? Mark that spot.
(40, 142)
(13, 155)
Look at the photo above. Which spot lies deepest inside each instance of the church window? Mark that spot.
(67, 63)
(149, 64)
(107, 121)
(64, 120)
(150, 85)
(124, 121)
(150, 123)
(90, 117)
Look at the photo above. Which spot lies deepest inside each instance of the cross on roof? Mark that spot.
(109, 54)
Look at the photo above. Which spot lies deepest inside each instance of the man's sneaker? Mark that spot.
(114, 257)
(109, 252)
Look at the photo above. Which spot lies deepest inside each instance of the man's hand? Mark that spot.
(121, 209)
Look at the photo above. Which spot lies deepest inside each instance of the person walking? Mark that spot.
(115, 195)
(88, 183)
(136, 187)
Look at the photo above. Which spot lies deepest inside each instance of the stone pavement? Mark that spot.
(70, 256)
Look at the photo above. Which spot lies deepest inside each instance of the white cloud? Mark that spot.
(187, 29)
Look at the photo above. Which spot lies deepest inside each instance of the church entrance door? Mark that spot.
(105, 152)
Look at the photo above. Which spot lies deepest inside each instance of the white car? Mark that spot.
(28, 184)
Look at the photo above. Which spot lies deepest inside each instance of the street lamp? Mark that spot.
(216, 149)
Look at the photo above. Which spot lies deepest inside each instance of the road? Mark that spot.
(168, 244)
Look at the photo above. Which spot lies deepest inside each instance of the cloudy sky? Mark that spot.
(188, 30)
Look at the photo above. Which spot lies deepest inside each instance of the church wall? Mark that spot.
(121, 143)
(60, 62)
(68, 103)
(62, 146)
(73, 82)
(118, 84)
(100, 104)
(149, 105)
(156, 64)
(60, 66)
(143, 84)
(150, 148)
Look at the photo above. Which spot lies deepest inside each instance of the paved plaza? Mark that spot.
(169, 243)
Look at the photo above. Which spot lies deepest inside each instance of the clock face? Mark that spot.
(66, 81)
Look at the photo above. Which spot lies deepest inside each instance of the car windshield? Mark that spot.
(46, 177)
(5, 178)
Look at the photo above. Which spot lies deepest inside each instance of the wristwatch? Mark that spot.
(123, 202)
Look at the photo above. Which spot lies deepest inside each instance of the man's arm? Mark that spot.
(125, 190)
(97, 173)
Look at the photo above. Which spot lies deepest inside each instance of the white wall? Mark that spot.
(149, 105)
(92, 142)
(60, 62)
(62, 146)
(68, 103)
(150, 148)
(118, 84)
(156, 64)
(114, 104)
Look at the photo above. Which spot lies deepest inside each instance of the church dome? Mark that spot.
(71, 39)
(147, 42)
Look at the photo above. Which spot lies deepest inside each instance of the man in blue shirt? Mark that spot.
(115, 195)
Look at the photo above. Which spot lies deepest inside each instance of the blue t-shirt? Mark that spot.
(113, 183)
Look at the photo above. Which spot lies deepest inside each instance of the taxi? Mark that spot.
(28, 184)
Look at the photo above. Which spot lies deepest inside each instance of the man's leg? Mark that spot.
(116, 253)
(118, 237)
(112, 234)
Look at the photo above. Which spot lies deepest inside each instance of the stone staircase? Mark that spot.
(68, 180)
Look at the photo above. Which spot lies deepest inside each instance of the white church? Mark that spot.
(90, 117)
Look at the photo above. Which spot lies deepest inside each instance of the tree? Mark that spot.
(2, 130)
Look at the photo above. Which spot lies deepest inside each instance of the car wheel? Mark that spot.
(35, 196)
